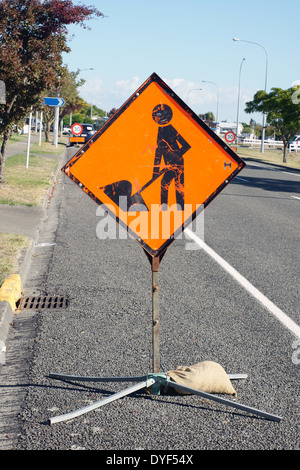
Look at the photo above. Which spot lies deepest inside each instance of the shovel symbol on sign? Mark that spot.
(171, 146)
(123, 189)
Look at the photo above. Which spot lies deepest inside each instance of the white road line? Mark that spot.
(255, 164)
(279, 314)
(295, 197)
(273, 169)
(289, 173)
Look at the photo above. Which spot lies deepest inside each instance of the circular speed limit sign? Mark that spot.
(77, 129)
(230, 136)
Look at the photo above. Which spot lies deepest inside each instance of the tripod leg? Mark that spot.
(209, 396)
(237, 376)
(104, 401)
(96, 379)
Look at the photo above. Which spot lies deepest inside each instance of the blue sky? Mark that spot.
(186, 42)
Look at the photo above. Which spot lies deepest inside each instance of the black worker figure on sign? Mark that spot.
(171, 146)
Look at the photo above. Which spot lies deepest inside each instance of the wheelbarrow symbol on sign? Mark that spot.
(122, 191)
(171, 147)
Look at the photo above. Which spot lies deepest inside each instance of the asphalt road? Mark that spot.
(205, 314)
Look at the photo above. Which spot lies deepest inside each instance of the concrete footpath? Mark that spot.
(25, 221)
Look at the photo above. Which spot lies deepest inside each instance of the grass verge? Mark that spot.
(274, 156)
(11, 247)
(49, 148)
(26, 186)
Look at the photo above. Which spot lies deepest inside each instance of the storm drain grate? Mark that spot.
(44, 302)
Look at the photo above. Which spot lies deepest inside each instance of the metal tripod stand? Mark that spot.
(155, 380)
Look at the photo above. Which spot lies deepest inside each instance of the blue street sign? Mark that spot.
(54, 101)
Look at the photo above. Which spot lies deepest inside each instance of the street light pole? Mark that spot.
(266, 80)
(78, 71)
(238, 105)
(56, 123)
(193, 89)
(28, 140)
(213, 83)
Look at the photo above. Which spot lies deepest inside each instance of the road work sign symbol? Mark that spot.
(154, 165)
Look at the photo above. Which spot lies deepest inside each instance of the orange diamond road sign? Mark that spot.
(154, 165)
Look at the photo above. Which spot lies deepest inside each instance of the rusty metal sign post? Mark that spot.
(154, 153)
(155, 312)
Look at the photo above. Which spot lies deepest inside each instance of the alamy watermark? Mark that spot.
(159, 223)
(296, 93)
(2, 352)
(296, 353)
(296, 343)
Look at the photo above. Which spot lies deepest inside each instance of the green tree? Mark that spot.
(282, 111)
(96, 112)
(33, 36)
(67, 87)
(209, 116)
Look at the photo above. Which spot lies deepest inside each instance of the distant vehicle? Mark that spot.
(295, 144)
(66, 130)
(87, 133)
(33, 123)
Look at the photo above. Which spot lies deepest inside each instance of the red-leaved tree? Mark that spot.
(33, 36)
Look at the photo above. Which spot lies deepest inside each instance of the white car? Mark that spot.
(295, 144)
